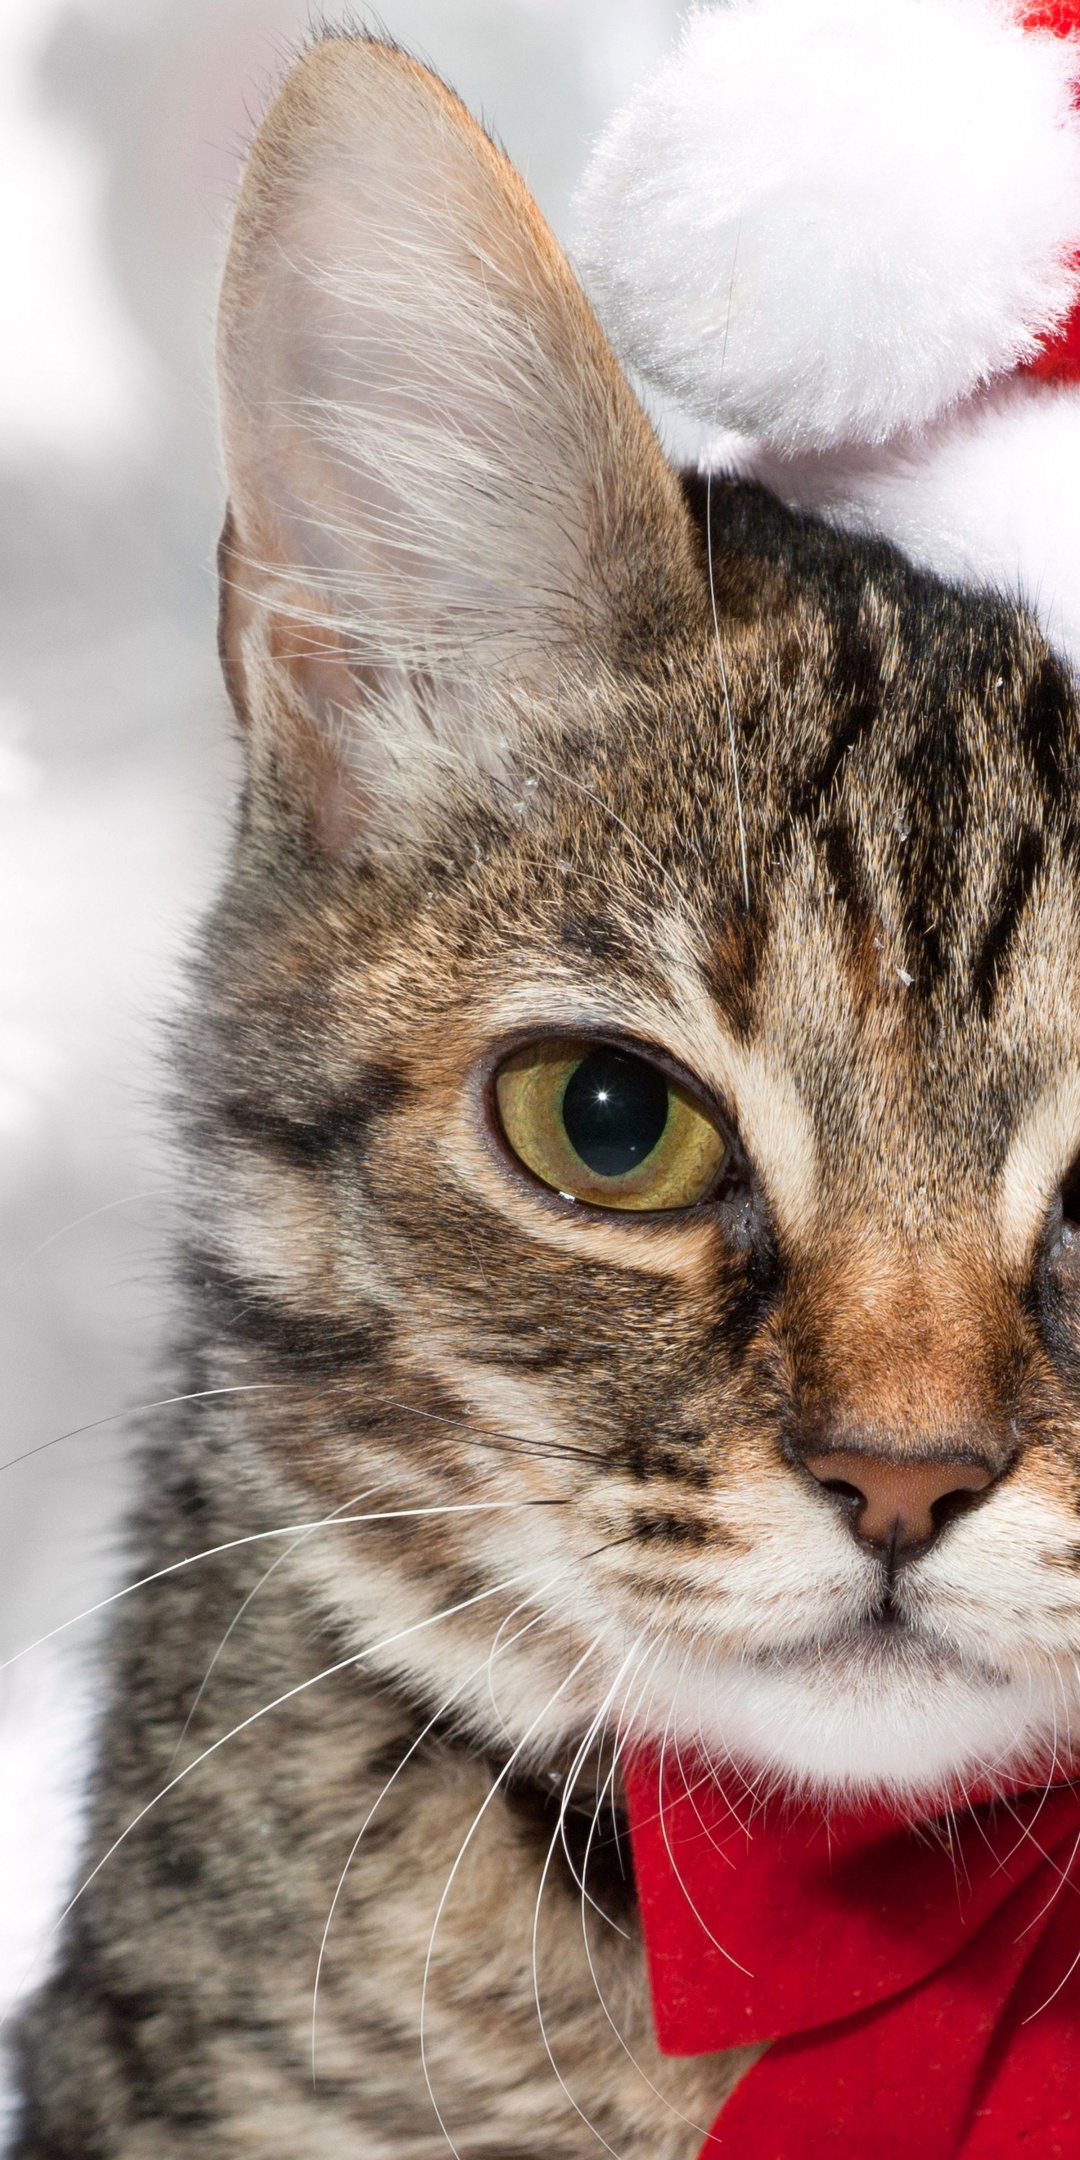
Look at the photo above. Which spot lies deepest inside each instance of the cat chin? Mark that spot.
(870, 1719)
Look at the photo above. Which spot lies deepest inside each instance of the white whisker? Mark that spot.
(499, 1780)
(302, 1687)
(109, 1207)
(134, 1410)
(608, 1789)
(301, 1538)
(635, 1666)
(259, 1537)
(537, 1620)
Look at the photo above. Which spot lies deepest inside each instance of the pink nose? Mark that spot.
(894, 1504)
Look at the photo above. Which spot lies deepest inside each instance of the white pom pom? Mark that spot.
(825, 220)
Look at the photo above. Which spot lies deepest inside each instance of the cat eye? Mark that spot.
(603, 1125)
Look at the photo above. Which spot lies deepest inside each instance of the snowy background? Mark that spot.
(121, 122)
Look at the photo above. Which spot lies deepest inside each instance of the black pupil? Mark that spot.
(614, 1111)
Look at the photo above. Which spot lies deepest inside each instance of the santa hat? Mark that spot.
(841, 238)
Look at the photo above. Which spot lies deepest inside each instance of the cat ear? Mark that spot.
(445, 501)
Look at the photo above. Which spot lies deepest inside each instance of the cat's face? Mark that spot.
(663, 1176)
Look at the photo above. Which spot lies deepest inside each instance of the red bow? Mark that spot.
(920, 1985)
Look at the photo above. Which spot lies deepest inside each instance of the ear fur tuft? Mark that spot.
(445, 500)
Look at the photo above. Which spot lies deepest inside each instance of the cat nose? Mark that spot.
(895, 1505)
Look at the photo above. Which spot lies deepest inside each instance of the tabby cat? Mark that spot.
(633, 1283)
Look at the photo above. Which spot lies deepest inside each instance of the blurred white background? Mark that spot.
(121, 124)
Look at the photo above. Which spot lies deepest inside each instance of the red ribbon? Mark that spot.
(919, 1986)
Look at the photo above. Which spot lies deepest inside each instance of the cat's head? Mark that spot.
(642, 1064)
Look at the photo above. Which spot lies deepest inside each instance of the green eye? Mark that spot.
(604, 1126)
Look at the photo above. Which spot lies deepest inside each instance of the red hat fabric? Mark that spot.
(1059, 356)
(1060, 17)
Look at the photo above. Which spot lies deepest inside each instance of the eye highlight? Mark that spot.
(600, 1124)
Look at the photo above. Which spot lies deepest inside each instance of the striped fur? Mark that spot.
(477, 1485)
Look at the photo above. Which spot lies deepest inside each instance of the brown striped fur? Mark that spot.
(468, 630)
